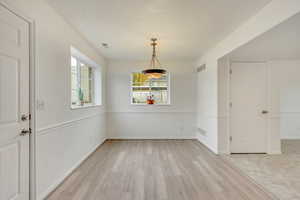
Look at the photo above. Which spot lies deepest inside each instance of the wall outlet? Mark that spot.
(40, 105)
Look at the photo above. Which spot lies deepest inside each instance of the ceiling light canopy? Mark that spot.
(154, 71)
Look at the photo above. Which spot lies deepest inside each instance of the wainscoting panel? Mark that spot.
(62, 147)
(151, 125)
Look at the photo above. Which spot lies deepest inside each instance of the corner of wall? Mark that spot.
(208, 145)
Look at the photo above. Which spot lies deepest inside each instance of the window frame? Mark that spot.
(79, 75)
(145, 104)
(96, 96)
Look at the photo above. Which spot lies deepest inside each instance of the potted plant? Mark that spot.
(150, 100)
(81, 96)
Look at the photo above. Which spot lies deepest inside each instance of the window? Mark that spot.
(84, 82)
(144, 89)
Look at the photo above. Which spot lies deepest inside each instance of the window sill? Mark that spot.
(145, 104)
(75, 107)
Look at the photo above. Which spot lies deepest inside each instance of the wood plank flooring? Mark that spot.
(156, 170)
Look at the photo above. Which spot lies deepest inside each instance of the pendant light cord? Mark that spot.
(154, 58)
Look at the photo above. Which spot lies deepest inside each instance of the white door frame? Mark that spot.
(268, 131)
(32, 91)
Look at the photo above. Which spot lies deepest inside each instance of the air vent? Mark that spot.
(201, 68)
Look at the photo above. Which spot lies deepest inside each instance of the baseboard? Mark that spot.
(275, 152)
(151, 138)
(291, 138)
(208, 147)
(224, 152)
(51, 188)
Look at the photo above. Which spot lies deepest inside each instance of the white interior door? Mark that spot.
(14, 102)
(248, 115)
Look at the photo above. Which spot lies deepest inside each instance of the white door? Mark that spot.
(248, 115)
(14, 102)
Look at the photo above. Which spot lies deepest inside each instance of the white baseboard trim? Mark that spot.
(52, 187)
(208, 147)
(291, 138)
(274, 152)
(150, 138)
(224, 152)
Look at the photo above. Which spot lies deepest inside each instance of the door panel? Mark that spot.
(248, 125)
(9, 33)
(9, 84)
(9, 156)
(14, 102)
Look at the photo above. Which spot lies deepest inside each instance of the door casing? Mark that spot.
(32, 97)
(268, 134)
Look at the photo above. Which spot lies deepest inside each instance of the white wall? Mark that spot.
(64, 136)
(151, 122)
(206, 108)
(271, 15)
(223, 105)
(285, 96)
(283, 99)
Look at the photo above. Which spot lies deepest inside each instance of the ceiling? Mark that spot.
(185, 28)
(281, 42)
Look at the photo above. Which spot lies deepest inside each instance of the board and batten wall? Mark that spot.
(268, 17)
(64, 137)
(174, 121)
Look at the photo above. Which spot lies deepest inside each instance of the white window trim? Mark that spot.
(76, 107)
(145, 104)
(97, 82)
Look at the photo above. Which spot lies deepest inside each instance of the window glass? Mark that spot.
(82, 83)
(86, 83)
(145, 89)
(74, 81)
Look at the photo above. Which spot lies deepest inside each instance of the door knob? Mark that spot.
(264, 112)
(25, 132)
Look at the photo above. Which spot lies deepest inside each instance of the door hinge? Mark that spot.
(230, 71)
(29, 116)
(230, 138)
(230, 104)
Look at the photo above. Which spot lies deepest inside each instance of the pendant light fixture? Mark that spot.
(153, 71)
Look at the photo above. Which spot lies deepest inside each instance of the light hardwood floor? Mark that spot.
(157, 170)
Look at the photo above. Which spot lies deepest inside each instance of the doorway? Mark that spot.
(279, 48)
(248, 107)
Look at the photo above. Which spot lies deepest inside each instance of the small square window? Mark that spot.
(145, 90)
